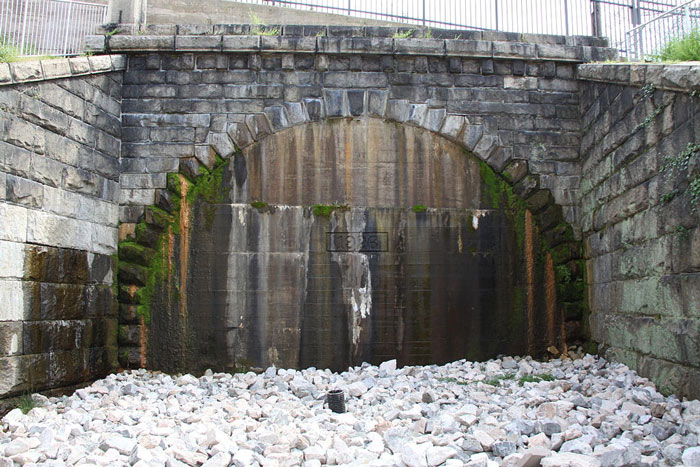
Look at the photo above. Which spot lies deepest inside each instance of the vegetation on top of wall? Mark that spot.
(404, 35)
(259, 28)
(419, 208)
(681, 49)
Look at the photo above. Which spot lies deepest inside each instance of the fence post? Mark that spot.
(566, 15)
(495, 4)
(68, 27)
(686, 20)
(24, 26)
(349, 5)
(423, 13)
(597, 27)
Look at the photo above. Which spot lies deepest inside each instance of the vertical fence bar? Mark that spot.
(67, 26)
(24, 26)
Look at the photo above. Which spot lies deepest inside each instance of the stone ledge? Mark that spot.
(406, 32)
(684, 77)
(40, 70)
(240, 38)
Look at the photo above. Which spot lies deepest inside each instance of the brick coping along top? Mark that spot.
(349, 40)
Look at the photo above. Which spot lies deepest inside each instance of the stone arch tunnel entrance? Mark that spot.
(343, 241)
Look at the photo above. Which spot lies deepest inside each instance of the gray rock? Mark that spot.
(691, 457)
(503, 448)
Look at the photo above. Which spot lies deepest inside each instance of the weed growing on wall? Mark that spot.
(685, 162)
(403, 35)
(259, 28)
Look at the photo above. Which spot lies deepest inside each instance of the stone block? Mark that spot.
(137, 180)
(258, 125)
(137, 197)
(104, 239)
(434, 119)
(49, 229)
(295, 112)
(513, 49)
(25, 135)
(356, 102)
(5, 75)
(222, 144)
(337, 79)
(79, 65)
(398, 110)
(468, 48)
(11, 300)
(239, 134)
(411, 46)
(141, 43)
(281, 43)
(13, 227)
(11, 260)
(26, 71)
(241, 43)
(452, 126)
(11, 338)
(57, 68)
(314, 109)
(277, 117)
(168, 120)
(471, 136)
(100, 63)
(377, 102)
(195, 29)
(119, 62)
(198, 43)
(335, 104)
(24, 192)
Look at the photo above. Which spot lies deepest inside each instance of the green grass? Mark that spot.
(681, 49)
(25, 403)
(496, 381)
(419, 208)
(403, 35)
(454, 380)
(325, 210)
(535, 378)
(8, 53)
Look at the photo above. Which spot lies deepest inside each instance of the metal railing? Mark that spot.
(605, 18)
(650, 37)
(565, 17)
(48, 27)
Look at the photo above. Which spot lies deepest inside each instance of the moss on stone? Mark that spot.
(417, 208)
(325, 210)
(165, 226)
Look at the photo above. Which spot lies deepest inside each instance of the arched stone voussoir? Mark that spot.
(222, 144)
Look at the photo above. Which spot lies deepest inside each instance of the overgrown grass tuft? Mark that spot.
(681, 49)
(8, 53)
(25, 403)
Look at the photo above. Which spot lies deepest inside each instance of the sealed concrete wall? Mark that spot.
(346, 241)
(59, 195)
(640, 218)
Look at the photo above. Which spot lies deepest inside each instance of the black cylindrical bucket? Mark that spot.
(336, 400)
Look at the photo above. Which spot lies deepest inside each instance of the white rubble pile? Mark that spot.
(510, 412)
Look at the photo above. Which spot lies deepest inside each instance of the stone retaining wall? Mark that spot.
(640, 223)
(59, 192)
